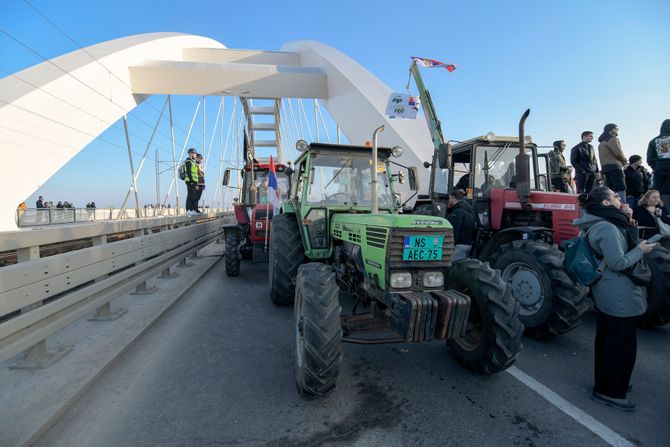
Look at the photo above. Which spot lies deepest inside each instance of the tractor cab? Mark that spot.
(250, 233)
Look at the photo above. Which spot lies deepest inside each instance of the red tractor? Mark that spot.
(518, 227)
(249, 237)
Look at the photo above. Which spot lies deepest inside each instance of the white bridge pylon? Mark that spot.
(51, 111)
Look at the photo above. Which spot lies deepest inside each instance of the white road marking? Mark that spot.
(607, 434)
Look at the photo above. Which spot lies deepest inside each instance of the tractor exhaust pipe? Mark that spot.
(375, 194)
(522, 162)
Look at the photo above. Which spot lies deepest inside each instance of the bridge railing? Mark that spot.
(40, 295)
(32, 217)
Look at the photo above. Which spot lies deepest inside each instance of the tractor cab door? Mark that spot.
(543, 172)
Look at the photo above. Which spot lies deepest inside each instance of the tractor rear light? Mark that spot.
(433, 279)
(401, 280)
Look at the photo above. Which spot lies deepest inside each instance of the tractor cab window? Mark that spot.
(347, 180)
(261, 179)
(495, 168)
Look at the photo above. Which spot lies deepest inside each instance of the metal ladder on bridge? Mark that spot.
(253, 112)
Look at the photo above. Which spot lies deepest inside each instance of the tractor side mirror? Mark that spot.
(235, 200)
(288, 171)
(226, 177)
(444, 156)
(401, 177)
(413, 178)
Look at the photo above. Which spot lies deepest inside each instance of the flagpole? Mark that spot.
(267, 210)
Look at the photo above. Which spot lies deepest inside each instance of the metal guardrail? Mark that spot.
(39, 296)
(31, 217)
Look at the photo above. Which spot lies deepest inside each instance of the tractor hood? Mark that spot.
(391, 220)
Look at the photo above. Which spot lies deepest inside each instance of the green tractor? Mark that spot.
(340, 231)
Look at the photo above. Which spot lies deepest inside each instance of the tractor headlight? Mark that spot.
(396, 151)
(401, 280)
(433, 279)
(301, 145)
(259, 225)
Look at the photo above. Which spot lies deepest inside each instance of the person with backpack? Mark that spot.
(189, 173)
(618, 300)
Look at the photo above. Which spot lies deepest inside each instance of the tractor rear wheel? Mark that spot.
(232, 254)
(286, 255)
(551, 303)
(318, 332)
(658, 291)
(493, 335)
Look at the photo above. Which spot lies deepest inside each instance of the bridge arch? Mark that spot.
(44, 107)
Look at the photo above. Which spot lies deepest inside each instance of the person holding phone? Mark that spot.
(653, 217)
(618, 300)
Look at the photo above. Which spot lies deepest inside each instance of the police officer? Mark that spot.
(191, 180)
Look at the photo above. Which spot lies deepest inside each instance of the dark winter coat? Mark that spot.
(583, 158)
(615, 294)
(646, 219)
(637, 181)
(654, 154)
(462, 218)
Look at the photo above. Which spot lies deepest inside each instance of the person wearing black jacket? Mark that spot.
(462, 218)
(637, 180)
(583, 159)
(647, 212)
(658, 157)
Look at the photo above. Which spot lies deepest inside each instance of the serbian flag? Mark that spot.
(273, 190)
(432, 63)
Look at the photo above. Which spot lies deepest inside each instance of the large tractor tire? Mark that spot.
(658, 291)
(318, 332)
(286, 255)
(551, 303)
(493, 335)
(232, 253)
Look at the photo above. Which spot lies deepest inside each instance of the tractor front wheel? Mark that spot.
(318, 332)
(551, 303)
(492, 339)
(232, 253)
(286, 255)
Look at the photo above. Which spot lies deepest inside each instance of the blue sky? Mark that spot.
(577, 65)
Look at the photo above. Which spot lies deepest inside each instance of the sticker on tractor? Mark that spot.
(372, 263)
(422, 248)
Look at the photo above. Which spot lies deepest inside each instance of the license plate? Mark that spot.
(422, 248)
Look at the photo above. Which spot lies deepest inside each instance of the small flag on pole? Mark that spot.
(432, 63)
(273, 189)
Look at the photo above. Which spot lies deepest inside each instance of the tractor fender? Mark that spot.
(507, 235)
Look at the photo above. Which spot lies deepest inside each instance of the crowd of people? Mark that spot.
(623, 205)
(41, 203)
(642, 194)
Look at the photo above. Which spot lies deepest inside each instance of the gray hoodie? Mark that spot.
(615, 294)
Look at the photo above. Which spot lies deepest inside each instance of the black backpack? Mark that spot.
(579, 260)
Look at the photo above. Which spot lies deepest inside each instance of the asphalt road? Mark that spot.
(217, 369)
